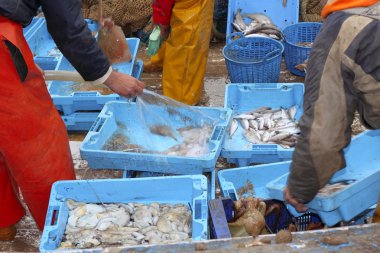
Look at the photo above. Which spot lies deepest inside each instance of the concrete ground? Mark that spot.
(28, 236)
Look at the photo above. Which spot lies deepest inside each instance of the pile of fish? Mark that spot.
(259, 26)
(92, 225)
(193, 141)
(267, 125)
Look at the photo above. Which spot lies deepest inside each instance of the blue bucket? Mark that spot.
(253, 60)
(296, 53)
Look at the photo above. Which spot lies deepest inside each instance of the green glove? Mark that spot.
(154, 41)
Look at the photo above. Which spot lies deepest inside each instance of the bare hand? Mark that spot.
(124, 85)
(300, 207)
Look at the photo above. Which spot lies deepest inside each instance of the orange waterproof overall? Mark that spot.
(34, 150)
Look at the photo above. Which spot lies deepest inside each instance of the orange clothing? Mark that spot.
(339, 5)
(34, 146)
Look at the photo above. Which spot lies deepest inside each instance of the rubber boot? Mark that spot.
(7, 233)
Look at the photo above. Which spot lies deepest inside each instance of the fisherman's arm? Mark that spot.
(329, 107)
(74, 39)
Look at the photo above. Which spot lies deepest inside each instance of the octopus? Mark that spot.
(250, 215)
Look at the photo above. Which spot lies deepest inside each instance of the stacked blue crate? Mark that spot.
(241, 98)
(191, 190)
(82, 121)
(280, 14)
(43, 47)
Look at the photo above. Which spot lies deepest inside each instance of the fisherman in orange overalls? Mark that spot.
(342, 77)
(34, 146)
(186, 27)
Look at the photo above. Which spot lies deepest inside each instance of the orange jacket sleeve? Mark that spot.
(162, 11)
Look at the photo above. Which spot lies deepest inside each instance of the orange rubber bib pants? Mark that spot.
(184, 54)
(34, 150)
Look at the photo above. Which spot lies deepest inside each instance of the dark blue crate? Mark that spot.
(67, 101)
(191, 190)
(294, 53)
(127, 114)
(242, 98)
(253, 60)
(280, 15)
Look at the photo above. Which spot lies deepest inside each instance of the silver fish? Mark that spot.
(244, 123)
(279, 137)
(239, 23)
(163, 130)
(252, 137)
(258, 17)
(292, 112)
(234, 127)
(244, 116)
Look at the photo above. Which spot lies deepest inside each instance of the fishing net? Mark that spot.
(171, 128)
(130, 15)
(310, 10)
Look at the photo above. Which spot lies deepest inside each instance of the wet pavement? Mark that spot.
(28, 236)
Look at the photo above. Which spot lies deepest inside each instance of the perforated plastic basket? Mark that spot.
(253, 60)
(295, 53)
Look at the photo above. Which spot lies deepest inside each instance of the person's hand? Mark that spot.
(300, 207)
(165, 31)
(124, 85)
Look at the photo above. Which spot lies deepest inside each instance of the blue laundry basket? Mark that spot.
(304, 32)
(253, 60)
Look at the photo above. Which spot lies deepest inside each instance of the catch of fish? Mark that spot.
(194, 141)
(267, 125)
(260, 26)
(93, 225)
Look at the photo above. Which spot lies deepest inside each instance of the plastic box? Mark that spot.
(82, 121)
(126, 114)
(68, 102)
(190, 190)
(344, 205)
(280, 15)
(42, 45)
(247, 97)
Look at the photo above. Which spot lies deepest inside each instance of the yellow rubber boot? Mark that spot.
(376, 215)
(184, 54)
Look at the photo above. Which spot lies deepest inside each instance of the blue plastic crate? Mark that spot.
(32, 26)
(191, 190)
(295, 54)
(82, 121)
(42, 44)
(247, 97)
(126, 114)
(68, 102)
(344, 205)
(280, 15)
(253, 60)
